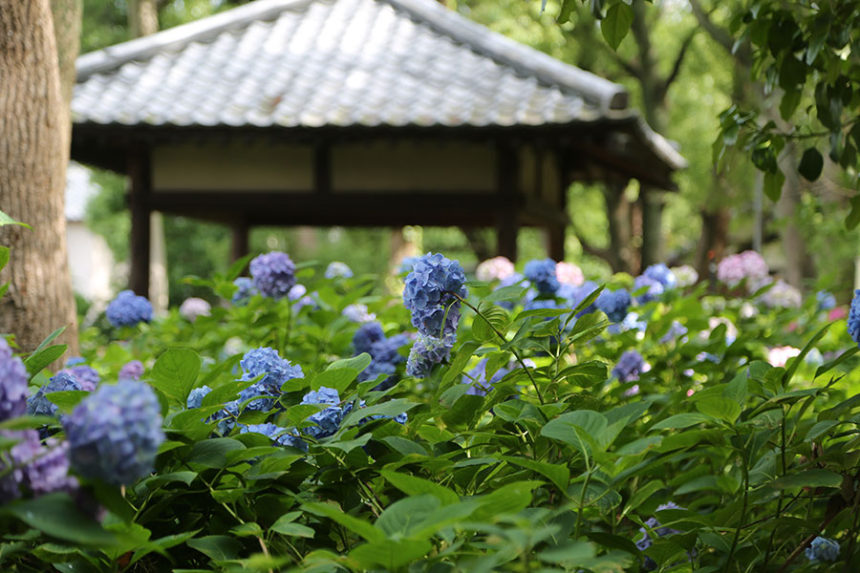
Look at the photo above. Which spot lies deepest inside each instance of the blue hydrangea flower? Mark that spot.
(12, 464)
(39, 405)
(630, 366)
(338, 269)
(273, 274)
(574, 295)
(115, 432)
(654, 292)
(277, 434)
(87, 376)
(822, 549)
(614, 303)
(226, 417)
(366, 335)
(541, 273)
(406, 265)
(428, 297)
(662, 274)
(630, 322)
(195, 397)
(128, 309)
(676, 331)
(358, 313)
(426, 353)
(854, 318)
(654, 525)
(327, 420)
(477, 378)
(246, 290)
(826, 300)
(13, 384)
(276, 371)
(132, 370)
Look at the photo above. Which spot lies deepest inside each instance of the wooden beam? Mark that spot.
(140, 186)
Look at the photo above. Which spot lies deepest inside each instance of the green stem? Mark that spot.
(746, 482)
(504, 341)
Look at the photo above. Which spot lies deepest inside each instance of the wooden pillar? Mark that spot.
(507, 221)
(652, 226)
(138, 202)
(555, 242)
(239, 241)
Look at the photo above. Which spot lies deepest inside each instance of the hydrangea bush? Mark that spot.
(524, 422)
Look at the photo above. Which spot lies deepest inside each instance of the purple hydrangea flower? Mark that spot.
(429, 294)
(542, 274)
(782, 295)
(87, 376)
(276, 371)
(13, 384)
(115, 432)
(273, 274)
(822, 549)
(477, 378)
(826, 300)
(426, 353)
(327, 420)
(676, 331)
(338, 269)
(614, 303)
(192, 307)
(48, 471)
(747, 265)
(131, 370)
(195, 397)
(128, 309)
(630, 366)
(575, 295)
(497, 268)
(245, 290)
(277, 434)
(662, 274)
(12, 464)
(654, 289)
(39, 405)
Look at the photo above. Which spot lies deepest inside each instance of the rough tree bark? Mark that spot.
(33, 156)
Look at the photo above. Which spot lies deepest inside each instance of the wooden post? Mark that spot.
(652, 226)
(138, 202)
(507, 222)
(555, 242)
(239, 242)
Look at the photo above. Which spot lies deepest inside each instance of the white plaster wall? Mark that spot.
(90, 263)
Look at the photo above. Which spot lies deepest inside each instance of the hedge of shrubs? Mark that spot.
(506, 421)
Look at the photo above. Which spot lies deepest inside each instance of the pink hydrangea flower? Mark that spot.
(494, 269)
(569, 274)
(747, 265)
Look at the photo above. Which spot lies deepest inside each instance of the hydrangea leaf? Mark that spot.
(175, 372)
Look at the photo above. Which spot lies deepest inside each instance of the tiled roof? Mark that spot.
(339, 63)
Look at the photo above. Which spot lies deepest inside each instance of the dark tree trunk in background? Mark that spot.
(715, 238)
(620, 255)
(798, 262)
(33, 155)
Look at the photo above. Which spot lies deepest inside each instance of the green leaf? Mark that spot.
(795, 362)
(616, 24)
(216, 547)
(412, 485)
(354, 524)
(390, 408)
(575, 427)
(853, 217)
(175, 372)
(556, 473)
(789, 103)
(811, 164)
(292, 529)
(7, 220)
(212, 453)
(37, 361)
(773, 184)
(460, 360)
(57, 515)
(679, 421)
(390, 554)
(585, 374)
(573, 554)
(809, 478)
(720, 408)
(66, 400)
(401, 517)
(4, 257)
(828, 366)
(349, 445)
(508, 499)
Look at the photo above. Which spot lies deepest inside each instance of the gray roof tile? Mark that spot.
(314, 63)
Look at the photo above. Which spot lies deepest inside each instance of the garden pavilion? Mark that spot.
(353, 113)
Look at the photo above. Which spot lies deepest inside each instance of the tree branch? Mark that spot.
(679, 60)
(720, 35)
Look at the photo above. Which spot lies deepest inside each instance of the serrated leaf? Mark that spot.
(175, 372)
(556, 473)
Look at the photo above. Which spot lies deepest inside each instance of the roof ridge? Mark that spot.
(138, 48)
(595, 90)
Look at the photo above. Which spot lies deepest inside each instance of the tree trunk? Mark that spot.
(715, 238)
(142, 17)
(33, 157)
(798, 262)
(618, 211)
